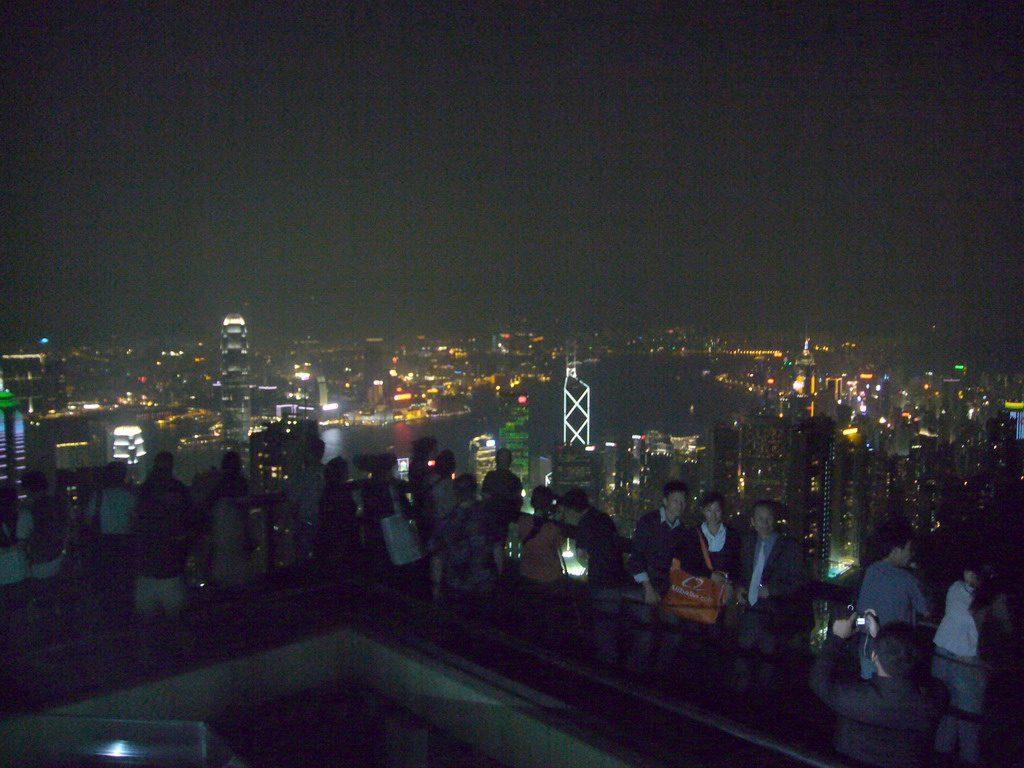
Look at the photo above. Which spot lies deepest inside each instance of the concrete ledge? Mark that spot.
(502, 719)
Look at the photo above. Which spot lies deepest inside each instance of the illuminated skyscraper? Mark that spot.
(236, 406)
(725, 470)
(482, 450)
(376, 367)
(514, 431)
(766, 444)
(33, 380)
(128, 445)
(575, 406)
(805, 387)
(277, 451)
(12, 439)
(812, 498)
(576, 466)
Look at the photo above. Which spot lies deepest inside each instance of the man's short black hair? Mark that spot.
(503, 458)
(675, 486)
(575, 498)
(897, 649)
(894, 533)
(542, 494)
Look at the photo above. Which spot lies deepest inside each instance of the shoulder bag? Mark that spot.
(696, 598)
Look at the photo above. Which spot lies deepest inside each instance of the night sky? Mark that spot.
(370, 168)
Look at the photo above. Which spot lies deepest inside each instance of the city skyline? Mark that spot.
(379, 168)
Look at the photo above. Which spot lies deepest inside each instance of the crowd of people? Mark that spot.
(710, 603)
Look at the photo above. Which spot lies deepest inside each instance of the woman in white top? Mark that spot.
(957, 665)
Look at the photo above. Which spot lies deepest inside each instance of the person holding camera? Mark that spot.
(889, 720)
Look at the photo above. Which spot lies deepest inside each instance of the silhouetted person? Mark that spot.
(165, 524)
(542, 586)
(422, 475)
(442, 494)
(109, 515)
(14, 572)
(231, 540)
(381, 495)
(997, 609)
(336, 545)
(464, 563)
(48, 536)
(606, 575)
(502, 491)
(303, 499)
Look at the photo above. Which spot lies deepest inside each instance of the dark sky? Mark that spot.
(377, 166)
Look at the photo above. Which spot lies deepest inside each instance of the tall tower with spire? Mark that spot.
(575, 404)
(236, 405)
(805, 386)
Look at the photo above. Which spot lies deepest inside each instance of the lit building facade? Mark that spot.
(514, 432)
(575, 407)
(276, 452)
(33, 380)
(12, 444)
(766, 444)
(577, 466)
(725, 468)
(376, 371)
(482, 452)
(128, 445)
(236, 404)
(805, 384)
(811, 500)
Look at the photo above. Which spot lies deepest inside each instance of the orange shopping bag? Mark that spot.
(696, 598)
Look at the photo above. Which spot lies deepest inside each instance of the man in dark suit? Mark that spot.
(772, 577)
(886, 721)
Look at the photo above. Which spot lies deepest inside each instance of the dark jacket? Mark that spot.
(654, 545)
(885, 721)
(49, 530)
(784, 574)
(165, 524)
(596, 534)
(502, 492)
(727, 560)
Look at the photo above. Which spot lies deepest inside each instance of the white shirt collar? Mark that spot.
(715, 541)
(664, 519)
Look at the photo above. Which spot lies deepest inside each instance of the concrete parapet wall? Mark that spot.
(510, 723)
